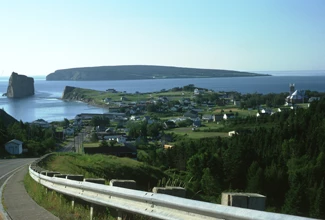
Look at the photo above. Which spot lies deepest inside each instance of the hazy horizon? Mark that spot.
(39, 37)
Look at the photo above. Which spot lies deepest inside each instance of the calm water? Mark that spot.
(46, 104)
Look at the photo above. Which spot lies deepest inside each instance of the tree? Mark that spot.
(319, 210)
(94, 137)
(103, 143)
(100, 121)
(154, 129)
(209, 184)
(66, 122)
(112, 143)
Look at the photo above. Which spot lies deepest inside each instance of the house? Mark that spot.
(41, 123)
(148, 120)
(228, 116)
(169, 124)
(134, 118)
(168, 146)
(232, 133)
(107, 100)
(100, 128)
(311, 99)
(198, 91)
(207, 118)
(173, 109)
(77, 122)
(217, 117)
(237, 103)
(14, 147)
(191, 114)
(123, 98)
(197, 122)
(266, 111)
(296, 97)
(111, 90)
(68, 131)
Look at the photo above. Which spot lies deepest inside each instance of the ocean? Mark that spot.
(46, 103)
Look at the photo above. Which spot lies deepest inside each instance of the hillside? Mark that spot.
(6, 118)
(133, 72)
(104, 166)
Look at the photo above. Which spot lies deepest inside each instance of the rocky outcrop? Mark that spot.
(67, 92)
(20, 86)
(71, 93)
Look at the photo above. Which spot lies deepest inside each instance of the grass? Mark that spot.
(197, 134)
(88, 144)
(60, 205)
(107, 167)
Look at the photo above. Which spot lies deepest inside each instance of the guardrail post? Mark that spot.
(72, 202)
(170, 190)
(119, 215)
(91, 211)
(75, 177)
(129, 184)
(244, 200)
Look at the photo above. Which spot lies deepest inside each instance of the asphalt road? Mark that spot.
(7, 168)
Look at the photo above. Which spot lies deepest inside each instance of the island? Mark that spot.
(137, 72)
(20, 86)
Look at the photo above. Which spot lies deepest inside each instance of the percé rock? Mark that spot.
(20, 86)
(136, 72)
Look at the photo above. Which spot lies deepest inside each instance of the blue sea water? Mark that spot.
(46, 103)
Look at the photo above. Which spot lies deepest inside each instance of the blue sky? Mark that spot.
(39, 37)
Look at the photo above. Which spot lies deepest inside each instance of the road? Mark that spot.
(7, 168)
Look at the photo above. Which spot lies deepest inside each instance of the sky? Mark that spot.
(39, 37)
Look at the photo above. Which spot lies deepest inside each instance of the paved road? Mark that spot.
(7, 168)
(16, 200)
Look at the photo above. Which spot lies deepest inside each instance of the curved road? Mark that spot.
(7, 168)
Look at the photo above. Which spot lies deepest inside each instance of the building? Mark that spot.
(41, 123)
(295, 96)
(14, 147)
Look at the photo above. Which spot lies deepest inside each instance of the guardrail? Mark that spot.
(149, 204)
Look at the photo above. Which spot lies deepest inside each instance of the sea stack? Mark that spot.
(20, 86)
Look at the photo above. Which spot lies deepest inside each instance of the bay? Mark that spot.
(46, 102)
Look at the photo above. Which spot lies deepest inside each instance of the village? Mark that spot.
(188, 111)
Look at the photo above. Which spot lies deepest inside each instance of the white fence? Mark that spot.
(146, 203)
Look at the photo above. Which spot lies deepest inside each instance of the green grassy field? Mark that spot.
(196, 134)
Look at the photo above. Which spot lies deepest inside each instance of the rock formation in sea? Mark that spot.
(20, 86)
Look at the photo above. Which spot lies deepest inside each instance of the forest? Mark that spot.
(284, 161)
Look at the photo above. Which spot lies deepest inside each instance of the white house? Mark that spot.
(14, 147)
(198, 91)
(232, 133)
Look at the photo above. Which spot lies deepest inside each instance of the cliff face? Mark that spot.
(67, 92)
(20, 86)
(77, 94)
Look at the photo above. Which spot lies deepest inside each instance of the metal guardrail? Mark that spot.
(150, 204)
